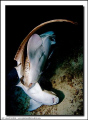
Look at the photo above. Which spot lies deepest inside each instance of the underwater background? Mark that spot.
(65, 75)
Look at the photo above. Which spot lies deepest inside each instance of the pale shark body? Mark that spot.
(38, 48)
(39, 97)
(37, 51)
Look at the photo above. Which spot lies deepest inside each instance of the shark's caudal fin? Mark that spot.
(34, 105)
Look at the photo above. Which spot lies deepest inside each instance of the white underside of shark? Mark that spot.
(39, 97)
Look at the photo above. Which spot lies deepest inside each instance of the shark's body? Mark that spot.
(39, 97)
(38, 49)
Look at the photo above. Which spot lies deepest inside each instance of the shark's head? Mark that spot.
(43, 96)
(50, 98)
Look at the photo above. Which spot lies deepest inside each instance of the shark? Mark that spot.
(38, 96)
(38, 48)
(19, 57)
(30, 70)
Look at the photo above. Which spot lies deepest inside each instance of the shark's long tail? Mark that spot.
(19, 54)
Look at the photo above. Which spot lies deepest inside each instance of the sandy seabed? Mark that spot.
(68, 78)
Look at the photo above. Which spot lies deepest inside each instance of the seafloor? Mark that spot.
(67, 82)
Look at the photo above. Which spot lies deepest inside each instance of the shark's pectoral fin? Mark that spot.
(33, 44)
(34, 105)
